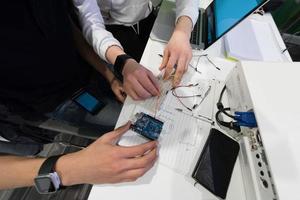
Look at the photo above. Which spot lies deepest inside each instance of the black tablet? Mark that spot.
(215, 165)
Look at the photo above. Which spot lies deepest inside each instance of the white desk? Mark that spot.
(161, 182)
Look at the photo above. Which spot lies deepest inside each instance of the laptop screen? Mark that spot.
(223, 15)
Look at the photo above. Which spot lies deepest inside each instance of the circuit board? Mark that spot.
(147, 126)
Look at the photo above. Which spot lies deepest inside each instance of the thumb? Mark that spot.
(113, 136)
(121, 94)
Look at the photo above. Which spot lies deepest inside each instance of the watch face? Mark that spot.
(44, 184)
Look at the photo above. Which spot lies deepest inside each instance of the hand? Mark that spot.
(105, 162)
(139, 82)
(178, 51)
(117, 88)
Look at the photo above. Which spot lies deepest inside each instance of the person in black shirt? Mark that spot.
(40, 67)
(39, 70)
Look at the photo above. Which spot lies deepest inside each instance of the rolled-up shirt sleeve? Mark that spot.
(189, 8)
(93, 27)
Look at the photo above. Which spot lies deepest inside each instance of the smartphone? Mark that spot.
(216, 162)
(88, 101)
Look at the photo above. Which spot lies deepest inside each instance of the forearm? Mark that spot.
(112, 163)
(18, 171)
(93, 27)
(88, 53)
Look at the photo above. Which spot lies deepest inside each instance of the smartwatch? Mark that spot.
(119, 65)
(48, 181)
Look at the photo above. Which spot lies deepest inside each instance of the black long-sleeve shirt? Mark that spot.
(38, 61)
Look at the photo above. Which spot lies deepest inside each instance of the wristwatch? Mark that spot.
(119, 65)
(48, 181)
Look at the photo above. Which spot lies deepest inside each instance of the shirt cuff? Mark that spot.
(192, 13)
(105, 44)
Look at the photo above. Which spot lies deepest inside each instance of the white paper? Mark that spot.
(183, 131)
(252, 40)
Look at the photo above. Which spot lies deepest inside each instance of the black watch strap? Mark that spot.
(119, 65)
(48, 165)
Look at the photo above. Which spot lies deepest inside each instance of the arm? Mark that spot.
(86, 52)
(189, 9)
(93, 28)
(113, 163)
(139, 83)
(18, 171)
(178, 50)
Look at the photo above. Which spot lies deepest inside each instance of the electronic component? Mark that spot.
(215, 165)
(147, 126)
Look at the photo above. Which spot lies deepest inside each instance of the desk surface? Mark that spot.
(161, 182)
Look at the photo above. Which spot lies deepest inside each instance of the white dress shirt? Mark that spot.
(125, 12)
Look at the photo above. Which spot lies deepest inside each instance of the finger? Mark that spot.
(122, 90)
(141, 92)
(123, 97)
(131, 93)
(124, 94)
(190, 56)
(165, 60)
(142, 161)
(120, 96)
(150, 83)
(137, 150)
(133, 175)
(179, 71)
(170, 66)
(186, 66)
(154, 80)
(113, 136)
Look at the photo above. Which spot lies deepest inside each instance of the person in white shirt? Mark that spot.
(122, 17)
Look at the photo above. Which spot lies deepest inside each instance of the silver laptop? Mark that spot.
(213, 22)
